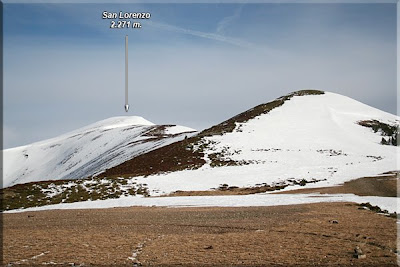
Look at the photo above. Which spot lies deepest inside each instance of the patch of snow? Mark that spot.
(255, 200)
(176, 129)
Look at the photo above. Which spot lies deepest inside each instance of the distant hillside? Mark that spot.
(87, 151)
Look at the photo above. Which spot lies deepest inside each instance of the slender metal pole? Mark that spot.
(126, 74)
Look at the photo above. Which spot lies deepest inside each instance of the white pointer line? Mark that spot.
(126, 74)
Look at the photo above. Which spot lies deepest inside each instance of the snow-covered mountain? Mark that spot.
(307, 135)
(87, 151)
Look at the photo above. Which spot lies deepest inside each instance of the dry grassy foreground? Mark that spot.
(281, 235)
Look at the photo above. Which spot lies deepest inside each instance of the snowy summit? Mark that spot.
(88, 150)
(311, 136)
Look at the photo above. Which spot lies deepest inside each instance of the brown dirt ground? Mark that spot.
(383, 186)
(218, 192)
(300, 235)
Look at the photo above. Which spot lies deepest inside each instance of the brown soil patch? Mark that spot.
(228, 191)
(239, 191)
(383, 186)
(300, 235)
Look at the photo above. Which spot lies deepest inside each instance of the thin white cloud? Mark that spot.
(225, 22)
(207, 35)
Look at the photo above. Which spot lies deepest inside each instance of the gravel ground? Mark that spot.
(302, 235)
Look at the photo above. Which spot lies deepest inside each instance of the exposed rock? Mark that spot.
(358, 254)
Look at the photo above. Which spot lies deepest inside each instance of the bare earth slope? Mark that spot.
(383, 186)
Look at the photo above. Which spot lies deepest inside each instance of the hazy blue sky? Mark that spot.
(190, 64)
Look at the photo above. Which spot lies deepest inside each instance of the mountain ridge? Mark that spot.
(308, 123)
(87, 150)
(306, 139)
(191, 151)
